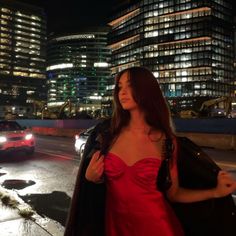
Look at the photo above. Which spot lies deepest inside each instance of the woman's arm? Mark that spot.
(95, 169)
(225, 185)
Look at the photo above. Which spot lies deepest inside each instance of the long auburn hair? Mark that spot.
(148, 96)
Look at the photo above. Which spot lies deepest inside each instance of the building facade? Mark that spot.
(234, 27)
(78, 69)
(187, 44)
(22, 57)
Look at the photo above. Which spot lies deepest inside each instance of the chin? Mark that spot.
(129, 108)
(125, 107)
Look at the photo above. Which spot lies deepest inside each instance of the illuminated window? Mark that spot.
(100, 64)
(6, 10)
(18, 73)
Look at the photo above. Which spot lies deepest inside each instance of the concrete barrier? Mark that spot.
(56, 131)
(215, 133)
(218, 141)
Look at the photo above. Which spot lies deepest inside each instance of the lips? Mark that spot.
(123, 100)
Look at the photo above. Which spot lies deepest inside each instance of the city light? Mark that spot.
(100, 64)
(60, 66)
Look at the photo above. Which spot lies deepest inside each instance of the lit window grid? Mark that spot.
(219, 60)
(83, 54)
(32, 46)
(72, 89)
(23, 34)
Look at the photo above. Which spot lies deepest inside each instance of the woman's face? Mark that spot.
(125, 93)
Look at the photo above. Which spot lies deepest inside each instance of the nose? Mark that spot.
(123, 90)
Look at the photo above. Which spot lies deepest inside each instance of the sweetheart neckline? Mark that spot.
(143, 159)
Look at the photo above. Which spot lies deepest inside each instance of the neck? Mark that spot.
(137, 121)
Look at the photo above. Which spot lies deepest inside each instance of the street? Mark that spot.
(46, 180)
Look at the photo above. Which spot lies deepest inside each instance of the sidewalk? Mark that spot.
(12, 223)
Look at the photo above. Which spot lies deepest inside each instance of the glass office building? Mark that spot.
(235, 56)
(22, 57)
(187, 44)
(78, 68)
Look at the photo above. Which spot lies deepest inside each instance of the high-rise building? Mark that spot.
(22, 57)
(187, 44)
(78, 68)
(234, 56)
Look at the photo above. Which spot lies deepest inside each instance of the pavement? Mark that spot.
(13, 221)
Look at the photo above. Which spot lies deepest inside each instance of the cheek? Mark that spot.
(118, 95)
(131, 96)
(130, 93)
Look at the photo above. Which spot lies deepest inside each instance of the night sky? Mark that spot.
(72, 15)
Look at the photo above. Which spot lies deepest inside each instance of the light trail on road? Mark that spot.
(227, 165)
(68, 157)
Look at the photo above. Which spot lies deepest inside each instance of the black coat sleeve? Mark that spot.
(87, 210)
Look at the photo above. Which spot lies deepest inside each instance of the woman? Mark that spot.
(127, 166)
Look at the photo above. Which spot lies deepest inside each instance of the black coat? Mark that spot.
(87, 211)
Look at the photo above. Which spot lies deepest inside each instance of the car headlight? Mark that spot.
(3, 139)
(28, 136)
(78, 143)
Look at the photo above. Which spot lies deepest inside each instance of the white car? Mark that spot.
(81, 139)
(14, 137)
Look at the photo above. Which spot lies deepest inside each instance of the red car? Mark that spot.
(14, 137)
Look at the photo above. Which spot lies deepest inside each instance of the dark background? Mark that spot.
(70, 15)
(67, 15)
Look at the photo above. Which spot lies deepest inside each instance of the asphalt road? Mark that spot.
(46, 179)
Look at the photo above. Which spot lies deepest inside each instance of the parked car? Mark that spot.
(232, 114)
(81, 139)
(14, 137)
(218, 113)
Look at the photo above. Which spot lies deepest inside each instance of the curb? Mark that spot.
(25, 211)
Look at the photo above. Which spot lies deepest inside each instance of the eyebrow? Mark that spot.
(120, 83)
(128, 82)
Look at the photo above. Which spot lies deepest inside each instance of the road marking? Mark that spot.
(72, 158)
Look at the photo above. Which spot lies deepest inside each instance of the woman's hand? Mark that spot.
(95, 168)
(225, 185)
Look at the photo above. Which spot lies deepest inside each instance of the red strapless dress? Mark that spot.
(134, 207)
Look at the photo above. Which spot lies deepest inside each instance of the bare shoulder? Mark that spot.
(157, 135)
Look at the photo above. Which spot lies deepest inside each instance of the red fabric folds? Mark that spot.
(134, 206)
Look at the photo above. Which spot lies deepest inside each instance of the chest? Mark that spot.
(132, 148)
